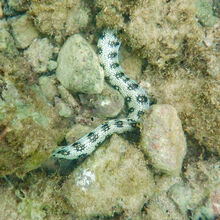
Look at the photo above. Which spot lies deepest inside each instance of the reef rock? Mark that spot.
(48, 87)
(163, 139)
(39, 54)
(114, 180)
(78, 67)
(60, 18)
(23, 31)
(7, 45)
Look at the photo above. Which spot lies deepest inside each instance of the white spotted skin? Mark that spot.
(135, 97)
(126, 86)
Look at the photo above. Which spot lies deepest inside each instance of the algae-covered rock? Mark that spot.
(203, 178)
(131, 63)
(19, 5)
(39, 54)
(63, 109)
(27, 135)
(216, 7)
(78, 67)
(8, 204)
(68, 98)
(182, 70)
(162, 139)
(180, 195)
(113, 180)
(23, 31)
(168, 199)
(155, 29)
(59, 18)
(34, 197)
(210, 208)
(1, 11)
(76, 132)
(34, 203)
(39, 200)
(195, 98)
(7, 45)
(27, 120)
(161, 207)
(204, 12)
(48, 88)
(51, 65)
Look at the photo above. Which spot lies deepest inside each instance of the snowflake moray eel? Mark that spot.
(135, 98)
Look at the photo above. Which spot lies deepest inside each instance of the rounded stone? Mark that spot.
(108, 104)
(162, 139)
(63, 109)
(78, 67)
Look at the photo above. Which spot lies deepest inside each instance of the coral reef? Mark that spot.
(171, 48)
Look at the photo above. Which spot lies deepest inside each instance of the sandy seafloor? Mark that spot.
(52, 92)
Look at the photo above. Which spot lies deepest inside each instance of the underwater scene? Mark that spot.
(110, 109)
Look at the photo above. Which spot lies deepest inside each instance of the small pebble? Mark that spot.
(68, 98)
(51, 65)
(39, 54)
(63, 109)
(47, 85)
